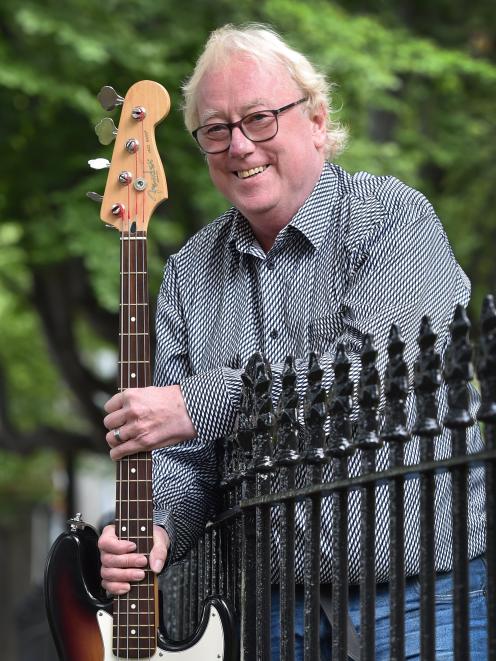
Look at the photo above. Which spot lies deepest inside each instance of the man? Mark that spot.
(308, 256)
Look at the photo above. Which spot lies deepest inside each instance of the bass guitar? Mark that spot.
(86, 624)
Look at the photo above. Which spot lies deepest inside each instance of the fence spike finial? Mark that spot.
(244, 424)
(367, 437)
(395, 390)
(287, 417)
(340, 406)
(458, 371)
(315, 412)
(263, 416)
(427, 379)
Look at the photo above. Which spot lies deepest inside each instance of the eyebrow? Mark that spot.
(211, 113)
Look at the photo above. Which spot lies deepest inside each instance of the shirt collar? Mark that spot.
(312, 218)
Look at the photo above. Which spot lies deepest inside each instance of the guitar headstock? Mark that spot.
(136, 181)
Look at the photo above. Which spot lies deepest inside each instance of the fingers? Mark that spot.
(114, 403)
(158, 554)
(121, 565)
(115, 419)
(146, 418)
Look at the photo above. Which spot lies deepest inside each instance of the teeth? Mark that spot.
(243, 174)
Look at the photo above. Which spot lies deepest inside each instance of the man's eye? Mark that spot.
(215, 130)
(258, 118)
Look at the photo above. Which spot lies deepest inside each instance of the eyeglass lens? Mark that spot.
(256, 126)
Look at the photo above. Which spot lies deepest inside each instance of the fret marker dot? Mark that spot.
(123, 528)
(133, 470)
(133, 375)
(133, 632)
(142, 528)
(133, 607)
(133, 318)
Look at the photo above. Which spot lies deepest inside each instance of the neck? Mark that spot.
(267, 224)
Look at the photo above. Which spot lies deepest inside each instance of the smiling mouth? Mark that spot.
(245, 174)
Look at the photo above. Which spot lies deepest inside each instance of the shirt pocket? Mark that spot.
(324, 331)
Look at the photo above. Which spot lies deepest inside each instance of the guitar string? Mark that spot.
(117, 601)
(147, 377)
(142, 381)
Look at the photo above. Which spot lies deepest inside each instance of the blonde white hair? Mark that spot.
(262, 44)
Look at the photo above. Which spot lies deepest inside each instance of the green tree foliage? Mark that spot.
(414, 83)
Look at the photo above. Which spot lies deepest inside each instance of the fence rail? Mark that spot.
(311, 462)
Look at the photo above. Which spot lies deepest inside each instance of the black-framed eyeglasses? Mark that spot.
(258, 126)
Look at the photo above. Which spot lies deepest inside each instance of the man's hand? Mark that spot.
(121, 565)
(146, 418)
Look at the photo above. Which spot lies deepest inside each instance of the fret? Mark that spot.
(134, 490)
(133, 238)
(149, 635)
(134, 637)
(129, 603)
(135, 295)
(136, 619)
(125, 511)
(127, 362)
(132, 334)
(132, 272)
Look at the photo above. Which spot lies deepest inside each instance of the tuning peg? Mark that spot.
(99, 163)
(96, 197)
(109, 98)
(106, 131)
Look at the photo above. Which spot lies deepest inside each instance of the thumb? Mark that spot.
(158, 554)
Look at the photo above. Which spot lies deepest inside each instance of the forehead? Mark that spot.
(235, 88)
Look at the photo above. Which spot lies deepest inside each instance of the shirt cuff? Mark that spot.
(212, 400)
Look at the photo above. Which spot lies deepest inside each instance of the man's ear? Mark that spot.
(319, 127)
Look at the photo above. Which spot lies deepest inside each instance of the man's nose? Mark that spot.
(240, 144)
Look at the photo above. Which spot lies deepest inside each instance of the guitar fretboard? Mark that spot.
(134, 614)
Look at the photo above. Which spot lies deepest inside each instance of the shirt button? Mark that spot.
(270, 264)
(274, 334)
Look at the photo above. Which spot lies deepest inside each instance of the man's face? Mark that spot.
(288, 166)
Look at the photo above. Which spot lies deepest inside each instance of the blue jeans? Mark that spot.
(444, 618)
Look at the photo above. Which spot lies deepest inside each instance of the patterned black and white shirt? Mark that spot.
(363, 252)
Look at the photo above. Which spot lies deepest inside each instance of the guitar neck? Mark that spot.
(134, 613)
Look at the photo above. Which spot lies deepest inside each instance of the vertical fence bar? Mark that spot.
(486, 371)
(201, 575)
(287, 459)
(174, 596)
(227, 484)
(185, 588)
(457, 372)
(367, 440)
(247, 524)
(315, 412)
(180, 602)
(339, 449)
(208, 561)
(395, 432)
(263, 464)
(193, 595)
(427, 379)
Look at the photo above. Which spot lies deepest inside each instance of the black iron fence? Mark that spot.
(290, 464)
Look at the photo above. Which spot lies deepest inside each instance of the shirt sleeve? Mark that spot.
(184, 475)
